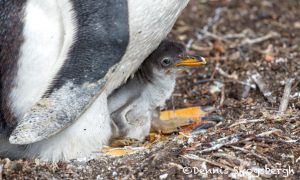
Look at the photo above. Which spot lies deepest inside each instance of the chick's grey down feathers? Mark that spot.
(133, 104)
(167, 49)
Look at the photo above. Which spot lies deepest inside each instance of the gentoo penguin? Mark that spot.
(58, 62)
(133, 104)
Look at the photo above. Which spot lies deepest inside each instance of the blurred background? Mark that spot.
(240, 40)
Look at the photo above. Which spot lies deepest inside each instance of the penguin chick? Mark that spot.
(132, 105)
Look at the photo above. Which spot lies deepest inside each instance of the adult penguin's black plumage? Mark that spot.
(58, 62)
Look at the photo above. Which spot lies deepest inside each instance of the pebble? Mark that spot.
(163, 176)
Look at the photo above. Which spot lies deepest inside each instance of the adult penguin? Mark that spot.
(59, 59)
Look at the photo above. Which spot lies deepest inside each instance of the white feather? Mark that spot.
(150, 21)
(49, 32)
(87, 135)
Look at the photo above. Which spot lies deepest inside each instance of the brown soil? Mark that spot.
(262, 138)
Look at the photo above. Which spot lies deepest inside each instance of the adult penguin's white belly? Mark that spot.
(71, 51)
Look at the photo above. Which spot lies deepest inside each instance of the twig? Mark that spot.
(234, 139)
(245, 121)
(254, 154)
(225, 74)
(232, 77)
(268, 133)
(298, 159)
(247, 88)
(257, 78)
(202, 48)
(202, 81)
(189, 44)
(195, 157)
(238, 35)
(243, 163)
(260, 39)
(228, 140)
(296, 95)
(178, 166)
(233, 158)
(286, 96)
(222, 97)
(214, 19)
(204, 33)
(277, 141)
(210, 22)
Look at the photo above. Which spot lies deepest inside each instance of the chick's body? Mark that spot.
(133, 104)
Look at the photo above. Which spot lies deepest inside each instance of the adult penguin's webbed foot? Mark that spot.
(208, 121)
(192, 120)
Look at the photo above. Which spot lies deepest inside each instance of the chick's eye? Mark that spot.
(166, 62)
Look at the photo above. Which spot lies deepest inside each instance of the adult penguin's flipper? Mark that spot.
(54, 113)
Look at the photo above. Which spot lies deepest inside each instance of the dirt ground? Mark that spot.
(253, 49)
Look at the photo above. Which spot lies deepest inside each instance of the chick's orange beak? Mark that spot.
(191, 62)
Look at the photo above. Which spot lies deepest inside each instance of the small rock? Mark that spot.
(297, 25)
(163, 176)
(190, 140)
(114, 173)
